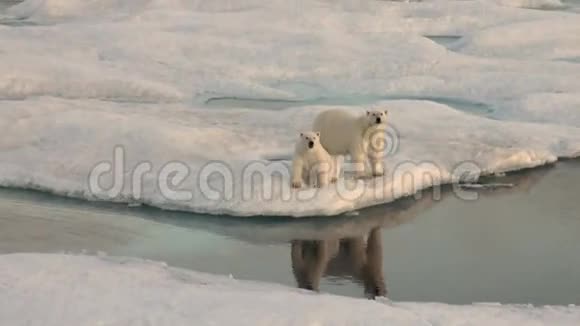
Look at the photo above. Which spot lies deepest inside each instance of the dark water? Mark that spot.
(512, 245)
(567, 5)
(460, 104)
(8, 3)
(444, 40)
(9, 21)
(571, 59)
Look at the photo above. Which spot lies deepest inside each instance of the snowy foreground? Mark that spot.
(234, 82)
(62, 290)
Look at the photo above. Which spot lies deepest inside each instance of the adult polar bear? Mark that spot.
(362, 137)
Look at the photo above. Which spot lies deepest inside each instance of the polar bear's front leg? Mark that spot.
(359, 160)
(335, 170)
(377, 166)
(297, 168)
(323, 174)
(322, 179)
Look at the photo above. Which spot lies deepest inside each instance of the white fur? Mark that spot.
(311, 166)
(343, 133)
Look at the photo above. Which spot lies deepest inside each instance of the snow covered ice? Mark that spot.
(47, 290)
(78, 78)
(488, 86)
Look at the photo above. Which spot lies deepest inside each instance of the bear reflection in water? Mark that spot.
(357, 257)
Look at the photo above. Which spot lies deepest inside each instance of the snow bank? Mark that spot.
(65, 290)
(564, 108)
(81, 78)
(528, 40)
(59, 156)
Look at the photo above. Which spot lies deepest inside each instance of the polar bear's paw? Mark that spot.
(296, 184)
(333, 180)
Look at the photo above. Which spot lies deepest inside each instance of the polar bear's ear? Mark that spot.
(386, 112)
(368, 112)
(301, 134)
(318, 134)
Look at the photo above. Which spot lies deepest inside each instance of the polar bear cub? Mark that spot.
(363, 137)
(311, 165)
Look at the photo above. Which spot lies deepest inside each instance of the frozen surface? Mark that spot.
(79, 77)
(37, 289)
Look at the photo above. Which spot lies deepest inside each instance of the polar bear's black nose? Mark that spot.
(310, 144)
(378, 120)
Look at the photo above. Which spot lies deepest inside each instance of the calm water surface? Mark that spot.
(512, 245)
